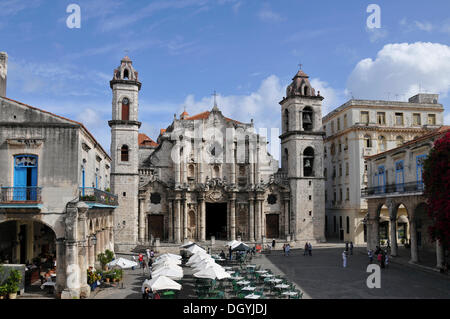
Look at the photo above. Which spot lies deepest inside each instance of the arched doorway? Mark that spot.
(402, 225)
(383, 227)
(31, 243)
(423, 222)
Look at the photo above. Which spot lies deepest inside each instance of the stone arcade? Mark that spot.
(211, 176)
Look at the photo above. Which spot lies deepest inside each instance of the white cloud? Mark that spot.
(376, 34)
(402, 69)
(333, 98)
(447, 119)
(267, 14)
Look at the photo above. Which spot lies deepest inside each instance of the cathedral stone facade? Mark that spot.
(208, 176)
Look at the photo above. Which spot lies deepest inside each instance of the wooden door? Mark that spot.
(156, 226)
(272, 226)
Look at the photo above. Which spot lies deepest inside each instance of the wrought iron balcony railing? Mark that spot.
(94, 195)
(402, 188)
(20, 195)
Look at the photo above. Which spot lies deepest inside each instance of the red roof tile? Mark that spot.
(144, 140)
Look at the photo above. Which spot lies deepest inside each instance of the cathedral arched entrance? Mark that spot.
(216, 220)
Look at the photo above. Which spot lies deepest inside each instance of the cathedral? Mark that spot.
(208, 176)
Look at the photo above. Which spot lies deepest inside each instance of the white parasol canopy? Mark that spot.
(195, 249)
(186, 244)
(203, 266)
(161, 283)
(212, 273)
(197, 257)
(233, 243)
(122, 263)
(173, 273)
(165, 263)
(168, 256)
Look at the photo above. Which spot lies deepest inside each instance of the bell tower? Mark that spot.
(302, 159)
(124, 152)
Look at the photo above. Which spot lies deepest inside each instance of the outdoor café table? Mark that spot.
(251, 266)
(290, 293)
(230, 272)
(48, 283)
(237, 278)
(267, 275)
(243, 282)
(275, 280)
(227, 267)
(261, 271)
(252, 296)
(282, 286)
(248, 288)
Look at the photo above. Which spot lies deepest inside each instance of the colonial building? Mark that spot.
(54, 178)
(361, 128)
(397, 209)
(209, 176)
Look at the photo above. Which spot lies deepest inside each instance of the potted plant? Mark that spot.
(403, 241)
(12, 283)
(3, 291)
(382, 242)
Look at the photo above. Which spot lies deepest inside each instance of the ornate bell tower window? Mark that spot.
(308, 162)
(286, 120)
(125, 109)
(307, 119)
(124, 153)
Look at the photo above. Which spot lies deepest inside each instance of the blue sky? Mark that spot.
(247, 50)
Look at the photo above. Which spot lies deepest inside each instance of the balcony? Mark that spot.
(20, 197)
(391, 189)
(98, 198)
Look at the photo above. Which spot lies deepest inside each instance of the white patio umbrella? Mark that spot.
(233, 243)
(173, 273)
(166, 264)
(195, 249)
(169, 256)
(161, 283)
(122, 263)
(186, 244)
(204, 266)
(200, 261)
(212, 273)
(197, 257)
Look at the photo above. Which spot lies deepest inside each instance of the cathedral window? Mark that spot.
(124, 152)
(308, 162)
(367, 141)
(191, 172)
(216, 171)
(126, 74)
(286, 120)
(125, 109)
(307, 119)
(286, 159)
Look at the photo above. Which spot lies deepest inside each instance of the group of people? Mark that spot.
(381, 255)
(348, 250)
(308, 249)
(286, 249)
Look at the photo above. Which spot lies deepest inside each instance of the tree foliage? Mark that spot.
(436, 177)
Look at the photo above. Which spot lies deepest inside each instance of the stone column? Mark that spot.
(202, 213)
(373, 230)
(251, 166)
(85, 290)
(60, 266)
(233, 217)
(177, 221)
(286, 217)
(439, 254)
(262, 219)
(177, 164)
(413, 238)
(393, 233)
(257, 169)
(170, 224)
(251, 222)
(91, 262)
(141, 221)
(185, 219)
(257, 220)
(72, 286)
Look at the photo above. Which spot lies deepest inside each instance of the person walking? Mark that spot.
(344, 259)
(310, 249)
(351, 248)
(145, 294)
(284, 249)
(147, 251)
(141, 260)
(370, 254)
(306, 249)
(288, 249)
(386, 260)
(273, 244)
(346, 246)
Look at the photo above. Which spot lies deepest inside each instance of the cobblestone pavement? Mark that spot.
(318, 276)
(322, 276)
